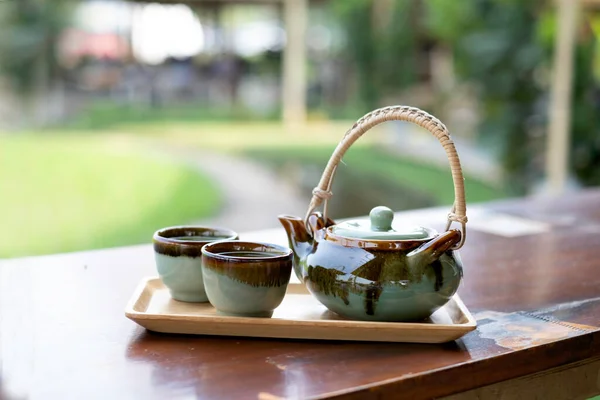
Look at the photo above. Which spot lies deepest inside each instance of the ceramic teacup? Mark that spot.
(178, 255)
(246, 278)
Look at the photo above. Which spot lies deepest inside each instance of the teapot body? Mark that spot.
(374, 284)
(379, 269)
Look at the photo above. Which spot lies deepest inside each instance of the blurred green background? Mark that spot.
(118, 118)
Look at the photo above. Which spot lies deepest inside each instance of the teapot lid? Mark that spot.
(379, 226)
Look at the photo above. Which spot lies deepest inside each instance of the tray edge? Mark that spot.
(144, 319)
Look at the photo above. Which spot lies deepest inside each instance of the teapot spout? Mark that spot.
(300, 241)
(431, 251)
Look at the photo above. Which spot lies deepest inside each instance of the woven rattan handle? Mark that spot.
(322, 192)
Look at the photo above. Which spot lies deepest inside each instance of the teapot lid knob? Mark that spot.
(381, 219)
(379, 227)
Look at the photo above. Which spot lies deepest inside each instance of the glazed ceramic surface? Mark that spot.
(178, 256)
(376, 268)
(375, 279)
(381, 285)
(246, 278)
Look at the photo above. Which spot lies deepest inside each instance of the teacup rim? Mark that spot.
(284, 251)
(158, 238)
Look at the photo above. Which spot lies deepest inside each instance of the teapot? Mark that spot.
(377, 269)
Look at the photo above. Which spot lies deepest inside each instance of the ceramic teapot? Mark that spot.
(376, 268)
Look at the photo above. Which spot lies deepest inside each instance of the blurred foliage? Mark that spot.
(495, 45)
(502, 47)
(30, 29)
(382, 41)
(506, 47)
(585, 125)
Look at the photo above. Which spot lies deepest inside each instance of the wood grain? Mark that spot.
(579, 380)
(63, 333)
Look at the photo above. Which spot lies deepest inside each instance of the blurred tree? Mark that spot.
(585, 143)
(505, 47)
(359, 31)
(585, 118)
(495, 46)
(383, 44)
(30, 30)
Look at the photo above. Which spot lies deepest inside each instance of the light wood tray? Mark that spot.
(300, 316)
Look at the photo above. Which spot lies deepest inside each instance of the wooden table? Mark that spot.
(535, 294)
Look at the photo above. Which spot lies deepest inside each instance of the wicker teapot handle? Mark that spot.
(322, 192)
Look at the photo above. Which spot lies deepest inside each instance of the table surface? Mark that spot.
(531, 281)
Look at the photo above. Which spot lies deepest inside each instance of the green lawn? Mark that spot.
(70, 193)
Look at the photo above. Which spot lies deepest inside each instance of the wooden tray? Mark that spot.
(300, 316)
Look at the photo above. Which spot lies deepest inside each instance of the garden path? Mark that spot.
(253, 195)
(413, 142)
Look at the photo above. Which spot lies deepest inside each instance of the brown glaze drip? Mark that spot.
(165, 240)
(371, 298)
(381, 263)
(386, 268)
(379, 271)
(271, 271)
(439, 277)
(256, 274)
(317, 222)
(326, 280)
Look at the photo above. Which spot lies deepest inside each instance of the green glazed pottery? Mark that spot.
(376, 275)
(178, 256)
(378, 268)
(246, 279)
